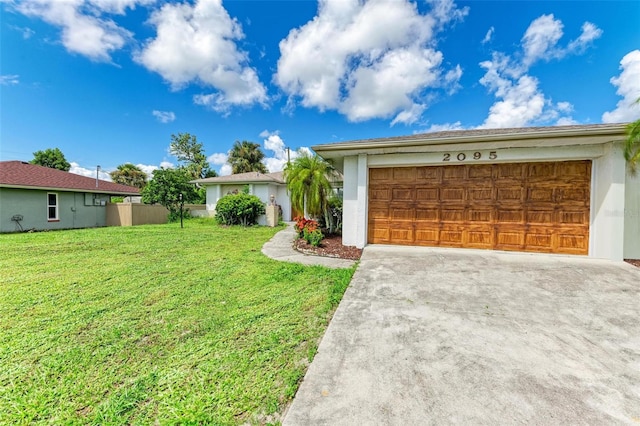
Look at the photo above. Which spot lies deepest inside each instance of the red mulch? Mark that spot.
(634, 262)
(330, 246)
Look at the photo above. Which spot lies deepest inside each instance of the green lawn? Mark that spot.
(155, 324)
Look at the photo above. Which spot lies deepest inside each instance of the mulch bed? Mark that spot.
(634, 262)
(331, 246)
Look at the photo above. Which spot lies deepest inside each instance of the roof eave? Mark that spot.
(612, 130)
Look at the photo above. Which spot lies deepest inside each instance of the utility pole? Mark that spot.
(97, 174)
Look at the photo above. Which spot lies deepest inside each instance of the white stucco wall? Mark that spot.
(632, 216)
(261, 190)
(607, 204)
(354, 216)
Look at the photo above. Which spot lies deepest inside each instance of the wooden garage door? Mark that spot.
(539, 207)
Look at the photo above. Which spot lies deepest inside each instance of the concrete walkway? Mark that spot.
(280, 247)
(448, 336)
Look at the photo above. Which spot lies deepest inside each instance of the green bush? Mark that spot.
(313, 237)
(239, 209)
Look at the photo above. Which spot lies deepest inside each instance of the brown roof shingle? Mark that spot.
(18, 174)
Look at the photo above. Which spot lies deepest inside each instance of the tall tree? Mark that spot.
(129, 174)
(165, 188)
(309, 183)
(186, 148)
(52, 158)
(246, 157)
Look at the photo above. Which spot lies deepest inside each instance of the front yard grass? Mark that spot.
(155, 324)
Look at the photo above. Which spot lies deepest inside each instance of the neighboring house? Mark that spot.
(539, 189)
(41, 198)
(260, 184)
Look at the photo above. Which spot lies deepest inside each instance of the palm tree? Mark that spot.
(246, 157)
(129, 174)
(308, 182)
(632, 145)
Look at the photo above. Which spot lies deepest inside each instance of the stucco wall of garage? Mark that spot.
(632, 216)
(608, 192)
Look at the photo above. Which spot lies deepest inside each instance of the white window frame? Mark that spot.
(56, 206)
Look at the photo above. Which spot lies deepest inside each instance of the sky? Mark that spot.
(109, 81)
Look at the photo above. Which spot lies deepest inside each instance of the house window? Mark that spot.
(52, 207)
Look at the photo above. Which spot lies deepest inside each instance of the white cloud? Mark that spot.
(378, 63)
(628, 86)
(218, 159)
(148, 169)
(488, 36)
(167, 165)
(225, 170)
(442, 127)
(84, 30)
(519, 100)
(9, 79)
(83, 171)
(540, 41)
(164, 116)
(197, 44)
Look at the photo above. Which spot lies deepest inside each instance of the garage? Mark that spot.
(525, 206)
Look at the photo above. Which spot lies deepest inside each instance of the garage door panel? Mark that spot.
(428, 194)
(510, 216)
(482, 172)
(427, 234)
(537, 194)
(480, 195)
(539, 215)
(570, 242)
(510, 172)
(452, 214)
(579, 217)
(406, 194)
(542, 207)
(454, 173)
(427, 213)
(539, 239)
(479, 214)
(380, 175)
(451, 236)
(510, 239)
(400, 234)
(404, 174)
(571, 194)
(479, 237)
(448, 195)
(402, 213)
(431, 175)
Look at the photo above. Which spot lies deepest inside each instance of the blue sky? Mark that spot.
(109, 81)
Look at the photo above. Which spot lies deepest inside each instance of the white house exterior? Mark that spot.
(261, 185)
(547, 189)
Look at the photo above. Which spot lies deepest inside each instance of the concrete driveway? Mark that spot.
(443, 336)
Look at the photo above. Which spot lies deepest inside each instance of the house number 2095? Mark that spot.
(461, 156)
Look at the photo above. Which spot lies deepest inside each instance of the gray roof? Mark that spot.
(475, 134)
(251, 177)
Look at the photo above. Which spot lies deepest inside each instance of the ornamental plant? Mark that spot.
(239, 209)
(308, 230)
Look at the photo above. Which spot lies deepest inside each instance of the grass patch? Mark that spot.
(155, 324)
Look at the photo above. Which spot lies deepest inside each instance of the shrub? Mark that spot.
(308, 229)
(239, 209)
(313, 237)
(302, 224)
